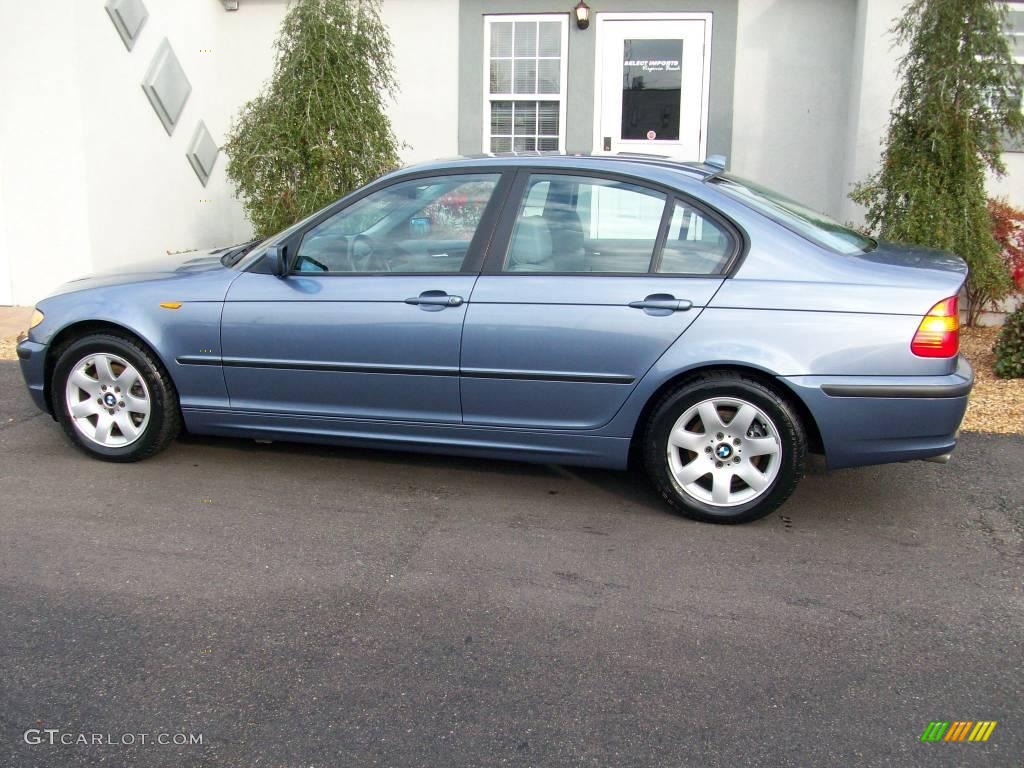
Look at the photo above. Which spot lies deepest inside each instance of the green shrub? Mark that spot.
(1009, 349)
(319, 128)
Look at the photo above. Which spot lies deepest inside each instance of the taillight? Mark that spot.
(938, 335)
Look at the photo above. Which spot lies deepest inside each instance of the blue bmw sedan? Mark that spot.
(573, 310)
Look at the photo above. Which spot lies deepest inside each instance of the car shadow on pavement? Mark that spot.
(376, 455)
(846, 491)
(630, 485)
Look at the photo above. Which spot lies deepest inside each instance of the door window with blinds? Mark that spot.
(524, 82)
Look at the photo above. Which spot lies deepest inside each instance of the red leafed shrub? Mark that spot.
(1008, 230)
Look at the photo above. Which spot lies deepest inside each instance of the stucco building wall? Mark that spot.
(89, 179)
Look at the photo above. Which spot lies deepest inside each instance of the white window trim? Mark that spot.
(1018, 7)
(560, 97)
(1014, 145)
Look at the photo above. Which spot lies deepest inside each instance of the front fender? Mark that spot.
(191, 329)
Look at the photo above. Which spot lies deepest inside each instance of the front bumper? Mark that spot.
(32, 357)
(881, 419)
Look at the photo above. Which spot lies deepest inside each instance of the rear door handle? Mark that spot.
(662, 301)
(435, 300)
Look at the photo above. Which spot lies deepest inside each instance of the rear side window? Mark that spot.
(695, 245)
(569, 224)
(581, 224)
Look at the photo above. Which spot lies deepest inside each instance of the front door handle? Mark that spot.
(435, 300)
(662, 301)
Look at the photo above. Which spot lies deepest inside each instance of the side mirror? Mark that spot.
(277, 255)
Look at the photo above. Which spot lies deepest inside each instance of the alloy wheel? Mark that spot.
(724, 451)
(108, 400)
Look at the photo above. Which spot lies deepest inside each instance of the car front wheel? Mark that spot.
(114, 399)
(724, 448)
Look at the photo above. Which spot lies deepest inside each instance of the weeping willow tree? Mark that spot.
(958, 101)
(319, 128)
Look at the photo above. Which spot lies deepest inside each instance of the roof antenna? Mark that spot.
(718, 162)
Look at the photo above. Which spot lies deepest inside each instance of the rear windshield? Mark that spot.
(814, 226)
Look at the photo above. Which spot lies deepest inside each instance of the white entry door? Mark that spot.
(652, 84)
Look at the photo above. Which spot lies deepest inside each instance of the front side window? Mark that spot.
(421, 225)
(525, 57)
(813, 226)
(580, 224)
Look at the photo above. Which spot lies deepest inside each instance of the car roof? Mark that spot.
(556, 160)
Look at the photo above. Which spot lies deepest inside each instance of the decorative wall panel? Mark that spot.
(129, 16)
(166, 86)
(202, 153)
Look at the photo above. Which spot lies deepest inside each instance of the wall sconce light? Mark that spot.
(582, 14)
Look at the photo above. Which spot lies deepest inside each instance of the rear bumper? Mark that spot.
(881, 419)
(32, 357)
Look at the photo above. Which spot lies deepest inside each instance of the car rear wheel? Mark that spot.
(114, 399)
(724, 448)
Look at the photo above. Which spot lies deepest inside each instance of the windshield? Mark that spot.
(814, 226)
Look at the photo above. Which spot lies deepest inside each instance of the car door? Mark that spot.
(589, 281)
(369, 321)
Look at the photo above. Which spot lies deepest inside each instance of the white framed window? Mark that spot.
(525, 65)
(1014, 30)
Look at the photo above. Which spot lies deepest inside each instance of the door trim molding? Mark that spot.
(403, 370)
(599, 40)
(314, 365)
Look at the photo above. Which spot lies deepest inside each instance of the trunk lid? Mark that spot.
(941, 266)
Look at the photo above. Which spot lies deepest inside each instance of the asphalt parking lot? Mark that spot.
(327, 607)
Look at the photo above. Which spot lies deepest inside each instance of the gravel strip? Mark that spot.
(997, 405)
(7, 348)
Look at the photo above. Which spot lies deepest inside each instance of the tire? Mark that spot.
(770, 453)
(114, 399)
